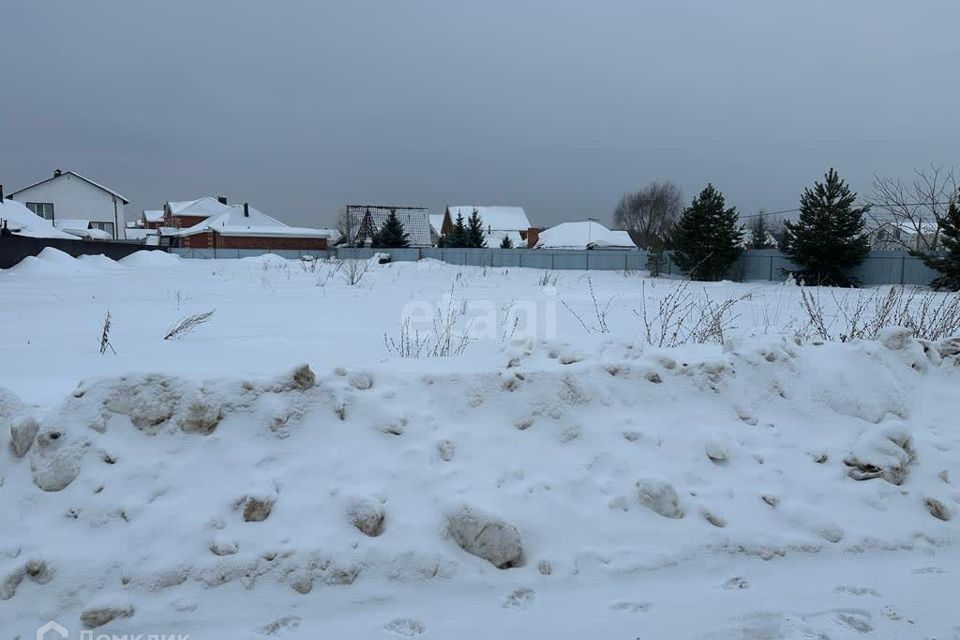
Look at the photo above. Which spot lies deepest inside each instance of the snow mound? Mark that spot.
(49, 262)
(100, 261)
(311, 481)
(151, 259)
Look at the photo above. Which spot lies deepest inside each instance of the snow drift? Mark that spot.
(312, 480)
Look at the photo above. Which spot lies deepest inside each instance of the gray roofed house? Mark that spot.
(365, 221)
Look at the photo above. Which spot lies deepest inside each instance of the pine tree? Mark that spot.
(391, 234)
(707, 240)
(506, 243)
(457, 238)
(947, 262)
(476, 238)
(827, 240)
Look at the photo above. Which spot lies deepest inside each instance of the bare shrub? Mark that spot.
(547, 279)
(188, 324)
(681, 317)
(309, 264)
(353, 271)
(444, 339)
(927, 314)
(105, 336)
(600, 312)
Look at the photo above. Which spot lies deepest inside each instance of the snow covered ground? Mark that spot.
(212, 485)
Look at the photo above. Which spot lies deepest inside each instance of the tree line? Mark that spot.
(465, 234)
(827, 240)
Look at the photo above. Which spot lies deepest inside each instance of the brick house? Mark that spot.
(181, 215)
(243, 227)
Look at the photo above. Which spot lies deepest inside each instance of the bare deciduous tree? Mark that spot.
(345, 225)
(910, 214)
(649, 214)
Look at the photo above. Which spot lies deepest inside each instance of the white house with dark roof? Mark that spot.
(67, 195)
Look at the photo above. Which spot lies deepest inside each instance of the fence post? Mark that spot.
(903, 267)
(770, 277)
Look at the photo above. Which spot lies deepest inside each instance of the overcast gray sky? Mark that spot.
(300, 106)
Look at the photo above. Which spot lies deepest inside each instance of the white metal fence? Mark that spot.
(880, 267)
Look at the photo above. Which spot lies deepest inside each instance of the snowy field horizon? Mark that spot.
(362, 450)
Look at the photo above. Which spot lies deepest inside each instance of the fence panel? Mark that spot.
(404, 255)
(570, 260)
(636, 260)
(478, 258)
(505, 258)
(600, 260)
(916, 272)
(878, 269)
(535, 259)
(455, 256)
(355, 253)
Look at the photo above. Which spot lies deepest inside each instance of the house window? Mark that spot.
(103, 226)
(42, 209)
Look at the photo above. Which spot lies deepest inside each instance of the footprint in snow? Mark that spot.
(519, 599)
(281, 625)
(629, 606)
(405, 627)
(856, 621)
(857, 591)
(929, 570)
(736, 583)
(890, 612)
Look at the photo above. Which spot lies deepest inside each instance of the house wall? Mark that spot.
(180, 222)
(77, 199)
(252, 242)
(211, 240)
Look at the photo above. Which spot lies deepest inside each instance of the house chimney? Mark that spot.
(533, 237)
(246, 210)
(1, 194)
(222, 199)
(57, 173)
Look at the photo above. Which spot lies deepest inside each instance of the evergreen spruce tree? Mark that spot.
(507, 243)
(827, 240)
(761, 235)
(706, 240)
(657, 258)
(457, 238)
(391, 234)
(947, 261)
(476, 238)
